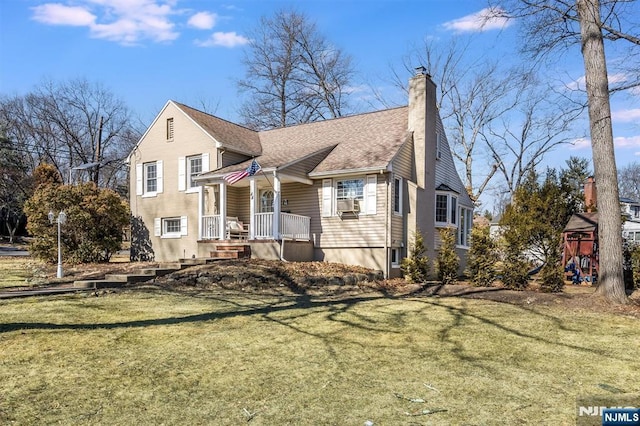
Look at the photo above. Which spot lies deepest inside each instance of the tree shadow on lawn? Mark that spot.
(338, 309)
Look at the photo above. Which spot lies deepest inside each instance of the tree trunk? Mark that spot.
(610, 279)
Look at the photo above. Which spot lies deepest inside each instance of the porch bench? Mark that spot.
(236, 229)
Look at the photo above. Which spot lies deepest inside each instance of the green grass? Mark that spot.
(21, 271)
(151, 358)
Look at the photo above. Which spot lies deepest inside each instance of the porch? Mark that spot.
(264, 226)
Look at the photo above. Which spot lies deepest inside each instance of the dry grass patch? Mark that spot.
(21, 271)
(146, 358)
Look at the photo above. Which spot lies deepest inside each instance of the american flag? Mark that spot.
(234, 177)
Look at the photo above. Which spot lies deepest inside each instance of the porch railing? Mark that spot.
(295, 226)
(210, 227)
(292, 226)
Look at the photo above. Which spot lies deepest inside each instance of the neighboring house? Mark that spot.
(350, 190)
(631, 216)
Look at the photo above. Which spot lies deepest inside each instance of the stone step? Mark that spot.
(227, 254)
(95, 284)
(128, 278)
(159, 272)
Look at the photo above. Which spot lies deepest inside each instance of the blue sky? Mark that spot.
(149, 51)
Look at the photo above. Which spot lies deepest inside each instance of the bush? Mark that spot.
(631, 252)
(515, 271)
(416, 267)
(552, 278)
(447, 261)
(95, 219)
(482, 258)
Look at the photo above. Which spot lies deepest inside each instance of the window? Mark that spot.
(170, 227)
(464, 230)
(351, 189)
(397, 195)
(446, 209)
(395, 258)
(441, 208)
(438, 145)
(194, 167)
(150, 177)
(169, 129)
(454, 210)
(266, 201)
(364, 190)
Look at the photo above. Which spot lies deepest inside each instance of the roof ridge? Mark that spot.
(334, 119)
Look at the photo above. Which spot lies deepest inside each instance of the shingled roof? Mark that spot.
(582, 222)
(360, 142)
(232, 136)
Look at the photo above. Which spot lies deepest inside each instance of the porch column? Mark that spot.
(200, 210)
(223, 211)
(276, 206)
(253, 191)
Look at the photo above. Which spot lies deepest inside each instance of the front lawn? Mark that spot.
(148, 357)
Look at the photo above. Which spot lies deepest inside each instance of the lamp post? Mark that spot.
(61, 219)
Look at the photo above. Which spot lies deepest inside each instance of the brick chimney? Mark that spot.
(590, 195)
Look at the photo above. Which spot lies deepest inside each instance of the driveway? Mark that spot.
(12, 251)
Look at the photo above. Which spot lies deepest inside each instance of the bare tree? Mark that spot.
(629, 181)
(71, 124)
(500, 118)
(15, 187)
(556, 24)
(293, 74)
(519, 141)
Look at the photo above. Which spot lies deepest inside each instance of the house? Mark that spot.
(631, 216)
(350, 190)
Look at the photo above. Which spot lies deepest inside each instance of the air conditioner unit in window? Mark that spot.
(348, 206)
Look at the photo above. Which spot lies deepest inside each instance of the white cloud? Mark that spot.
(487, 19)
(123, 21)
(627, 141)
(59, 14)
(230, 39)
(626, 115)
(581, 83)
(203, 20)
(618, 142)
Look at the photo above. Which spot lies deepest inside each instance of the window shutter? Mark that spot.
(159, 175)
(139, 176)
(182, 173)
(157, 227)
(205, 162)
(327, 197)
(370, 194)
(183, 225)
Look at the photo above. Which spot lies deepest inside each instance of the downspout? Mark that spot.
(387, 229)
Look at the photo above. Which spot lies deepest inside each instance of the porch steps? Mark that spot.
(231, 251)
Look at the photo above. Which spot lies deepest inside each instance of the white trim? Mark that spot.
(327, 198)
(159, 177)
(157, 227)
(183, 226)
(139, 177)
(182, 173)
(371, 194)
